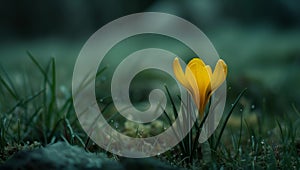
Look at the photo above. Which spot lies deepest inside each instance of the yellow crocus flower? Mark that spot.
(199, 79)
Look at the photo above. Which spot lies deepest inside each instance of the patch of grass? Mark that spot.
(42, 116)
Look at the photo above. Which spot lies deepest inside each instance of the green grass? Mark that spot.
(36, 111)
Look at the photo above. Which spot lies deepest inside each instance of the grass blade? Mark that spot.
(228, 116)
(38, 65)
(10, 90)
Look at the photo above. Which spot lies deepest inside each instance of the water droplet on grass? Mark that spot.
(116, 125)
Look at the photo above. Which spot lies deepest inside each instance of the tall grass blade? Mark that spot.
(227, 118)
(38, 66)
(9, 81)
(10, 90)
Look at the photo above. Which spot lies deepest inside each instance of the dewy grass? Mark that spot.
(42, 116)
(44, 121)
(51, 116)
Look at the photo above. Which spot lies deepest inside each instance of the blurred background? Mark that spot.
(259, 40)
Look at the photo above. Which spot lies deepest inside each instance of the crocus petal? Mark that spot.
(178, 71)
(193, 84)
(200, 72)
(197, 61)
(219, 75)
(208, 68)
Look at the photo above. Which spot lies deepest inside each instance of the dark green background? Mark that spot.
(259, 40)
